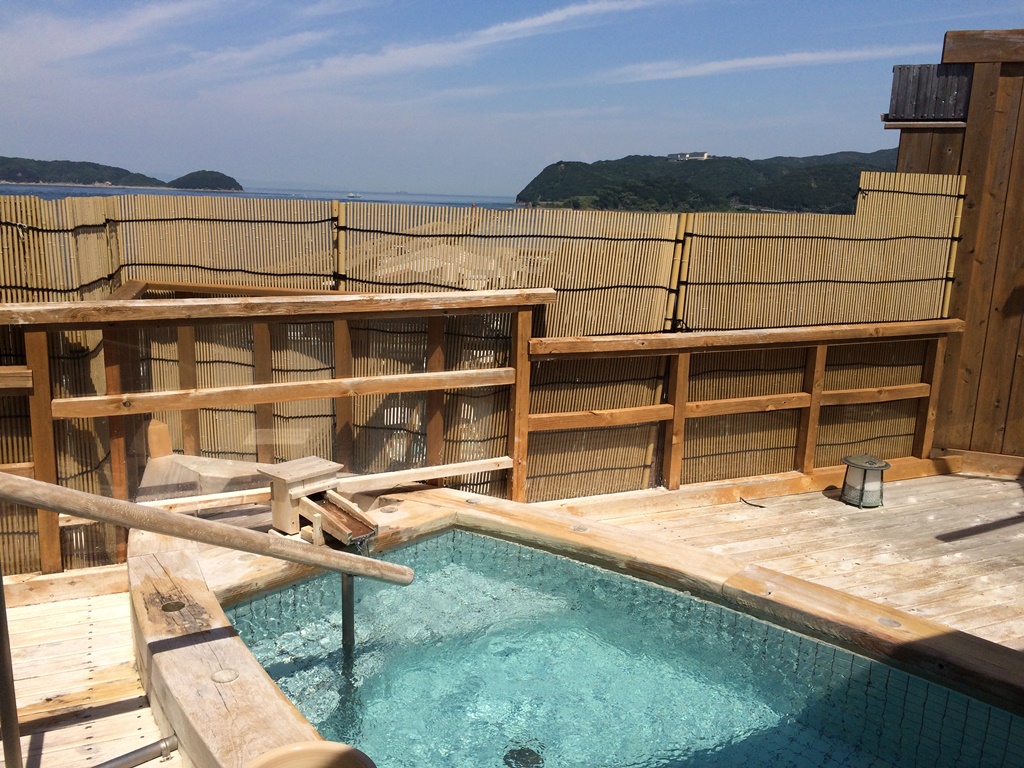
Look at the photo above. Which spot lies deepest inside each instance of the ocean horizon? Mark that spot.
(61, 191)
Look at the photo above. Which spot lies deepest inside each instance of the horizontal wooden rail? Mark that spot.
(876, 395)
(612, 417)
(659, 344)
(15, 377)
(291, 309)
(33, 493)
(384, 480)
(214, 397)
(758, 404)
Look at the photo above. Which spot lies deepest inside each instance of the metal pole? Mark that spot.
(348, 612)
(8, 702)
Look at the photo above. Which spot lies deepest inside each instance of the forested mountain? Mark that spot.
(822, 183)
(20, 170)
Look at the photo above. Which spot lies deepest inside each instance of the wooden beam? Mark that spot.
(985, 169)
(924, 433)
(875, 395)
(21, 468)
(435, 397)
(757, 404)
(519, 403)
(611, 417)
(814, 385)
(44, 451)
(219, 397)
(132, 289)
(382, 481)
(344, 437)
(220, 289)
(263, 373)
(113, 342)
(188, 379)
(644, 344)
(292, 309)
(994, 46)
(15, 377)
(677, 393)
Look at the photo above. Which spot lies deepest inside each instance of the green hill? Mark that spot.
(20, 170)
(821, 183)
(206, 180)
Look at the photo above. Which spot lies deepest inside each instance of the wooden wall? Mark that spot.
(982, 400)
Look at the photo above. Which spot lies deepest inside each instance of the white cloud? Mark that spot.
(45, 39)
(411, 58)
(675, 70)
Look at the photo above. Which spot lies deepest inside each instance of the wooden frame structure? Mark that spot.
(677, 408)
(115, 316)
(120, 404)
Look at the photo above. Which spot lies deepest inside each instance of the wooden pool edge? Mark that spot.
(177, 658)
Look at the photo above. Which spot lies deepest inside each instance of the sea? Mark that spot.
(59, 191)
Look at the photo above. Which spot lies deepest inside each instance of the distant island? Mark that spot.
(696, 181)
(20, 170)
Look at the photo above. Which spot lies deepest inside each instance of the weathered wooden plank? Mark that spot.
(188, 379)
(876, 394)
(983, 45)
(1005, 305)
(32, 588)
(385, 480)
(814, 385)
(213, 397)
(194, 664)
(986, 166)
(263, 373)
(15, 377)
(44, 451)
(614, 417)
(759, 404)
(915, 148)
(435, 398)
(677, 395)
(924, 434)
(519, 404)
(343, 369)
(639, 345)
(269, 309)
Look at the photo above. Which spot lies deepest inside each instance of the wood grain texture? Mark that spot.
(270, 309)
(983, 45)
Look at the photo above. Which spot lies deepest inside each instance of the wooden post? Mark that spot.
(112, 341)
(435, 398)
(348, 612)
(519, 403)
(814, 385)
(191, 442)
(44, 451)
(343, 369)
(677, 394)
(263, 373)
(8, 700)
(924, 434)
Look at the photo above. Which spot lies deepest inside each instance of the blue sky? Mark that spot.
(453, 97)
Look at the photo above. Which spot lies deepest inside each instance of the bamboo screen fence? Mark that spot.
(615, 273)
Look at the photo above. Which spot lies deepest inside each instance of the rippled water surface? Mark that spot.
(498, 655)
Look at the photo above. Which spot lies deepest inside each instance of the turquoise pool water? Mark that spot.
(499, 655)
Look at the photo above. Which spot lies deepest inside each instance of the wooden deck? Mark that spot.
(947, 548)
(80, 702)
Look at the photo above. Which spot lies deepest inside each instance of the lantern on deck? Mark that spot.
(862, 486)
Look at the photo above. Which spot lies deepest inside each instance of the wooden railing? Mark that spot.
(117, 406)
(114, 316)
(677, 408)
